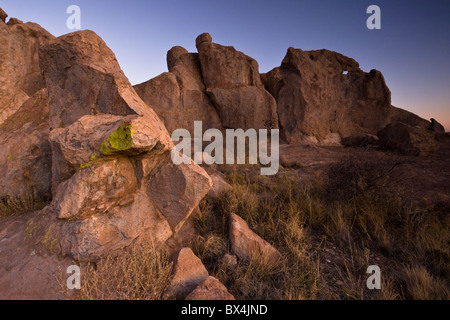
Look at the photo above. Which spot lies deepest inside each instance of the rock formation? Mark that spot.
(323, 92)
(247, 245)
(21, 76)
(112, 178)
(408, 140)
(219, 86)
(25, 153)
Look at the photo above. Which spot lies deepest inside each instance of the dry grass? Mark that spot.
(138, 273)
(18, 205)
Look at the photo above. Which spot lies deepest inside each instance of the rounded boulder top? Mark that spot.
(204, 37)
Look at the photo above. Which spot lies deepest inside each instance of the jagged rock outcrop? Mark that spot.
(20, 75)
(360, 140)
(247, 245)
(233, 82)
(113, 179)
(25, 153)
(323, 92)
(179, 96)
(408, 140)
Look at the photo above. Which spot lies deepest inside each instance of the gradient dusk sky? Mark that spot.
(412, 49)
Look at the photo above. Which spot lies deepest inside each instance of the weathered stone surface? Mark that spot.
(96, 189)
(3, 15)
(233, 82)
(315, 97)
(247, 245)
(93, 138)
(177, 189)
(20, 74)
(13, 21)
(84, 78)
(407, 139)
(219, 185)
(360, 140)
(107, 233)
(188, 272)
(25, 154)
(113, 179)
(210, 289)
(400, 115)
(179, 96)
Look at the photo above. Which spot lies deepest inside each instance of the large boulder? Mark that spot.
(248, 246)
(233, 82)
(25, 153)
(179, 96)
(113, 179)
(323, 92)
(20, 74)
(408, 140)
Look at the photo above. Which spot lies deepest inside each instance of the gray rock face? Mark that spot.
(323, 92)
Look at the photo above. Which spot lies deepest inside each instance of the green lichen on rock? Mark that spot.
(90, 163)
(119, 140)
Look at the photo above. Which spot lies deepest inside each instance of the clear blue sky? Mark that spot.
(412, 49)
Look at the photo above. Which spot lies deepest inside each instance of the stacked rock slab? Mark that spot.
(110, 153)
(323, 92)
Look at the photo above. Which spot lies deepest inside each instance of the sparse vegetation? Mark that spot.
(140, 272)
(330, 233)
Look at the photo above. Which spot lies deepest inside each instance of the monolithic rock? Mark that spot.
(233, 82)
(323, 92)
(188, 272)
(407, 139)
(210, 289)
(25, 154)
(20, 75)
(247, 245)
